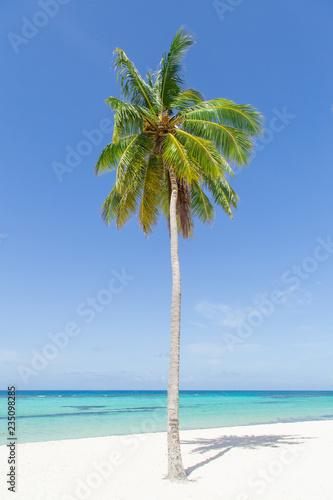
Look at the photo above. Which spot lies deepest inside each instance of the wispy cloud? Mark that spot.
(222, 314)
(217, 350)
(232, 317)
(294, 294)
(9, 356)
(200, 325)
(322, 344)
(121, 376)
(239, 324)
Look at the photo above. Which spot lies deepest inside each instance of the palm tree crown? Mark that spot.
(160, 127)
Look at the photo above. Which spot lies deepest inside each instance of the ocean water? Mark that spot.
(54, 415)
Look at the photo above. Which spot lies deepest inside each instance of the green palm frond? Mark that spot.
(177, 156)
(120, 206)
(112, 154)
(130, 177)
(170, 76)
(235, 144)
(129, 118)
(203, 152)
(152, 193)
(241, 116)
(185, 98)
(110, 206)
(134, 156)
(201, 205)
(129, 202)
(133, 86)
(222, 193)
(150, 79)
(131, 192)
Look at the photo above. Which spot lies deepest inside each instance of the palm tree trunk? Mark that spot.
(176, 470)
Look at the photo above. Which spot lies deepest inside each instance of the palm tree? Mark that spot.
(169, 146)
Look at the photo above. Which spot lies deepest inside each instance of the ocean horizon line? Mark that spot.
(165, 390)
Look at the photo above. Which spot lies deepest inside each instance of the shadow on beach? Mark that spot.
(226, 443)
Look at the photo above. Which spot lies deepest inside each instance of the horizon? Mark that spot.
(165, 390)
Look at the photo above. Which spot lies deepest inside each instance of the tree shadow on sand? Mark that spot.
(226, 443)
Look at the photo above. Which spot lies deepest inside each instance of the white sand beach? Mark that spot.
(284, 461)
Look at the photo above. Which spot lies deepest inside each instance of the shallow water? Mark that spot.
(54, 415)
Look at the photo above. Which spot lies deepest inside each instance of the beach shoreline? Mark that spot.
(269, 461)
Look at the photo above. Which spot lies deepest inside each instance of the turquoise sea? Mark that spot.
(54, 415)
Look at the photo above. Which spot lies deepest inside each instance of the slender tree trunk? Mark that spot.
(176, 470)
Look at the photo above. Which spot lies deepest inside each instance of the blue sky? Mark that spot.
(85, 306)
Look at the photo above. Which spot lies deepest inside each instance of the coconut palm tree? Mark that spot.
(170, 147)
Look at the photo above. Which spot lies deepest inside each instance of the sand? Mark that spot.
(283, 461)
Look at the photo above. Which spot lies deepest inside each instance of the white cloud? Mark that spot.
(200, 325)
(233, 317)
(321, 344)
(9, 356)
(207, 349)
(214, 350)
(222, 314)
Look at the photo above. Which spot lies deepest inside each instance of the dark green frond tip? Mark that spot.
(162, 125)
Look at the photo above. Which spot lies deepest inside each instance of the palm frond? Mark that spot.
(241, 116)
(201, 206)
(152, 192)
(129, 203)
(176, 156)
(235, 144)
(203, 152)
(185, 98)
(112, 154)
(170, 76)
(110, 206)
(135, 154)
(131, 192)
(133, 86)
(120, 206)
(222, 194)
(129, 118)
